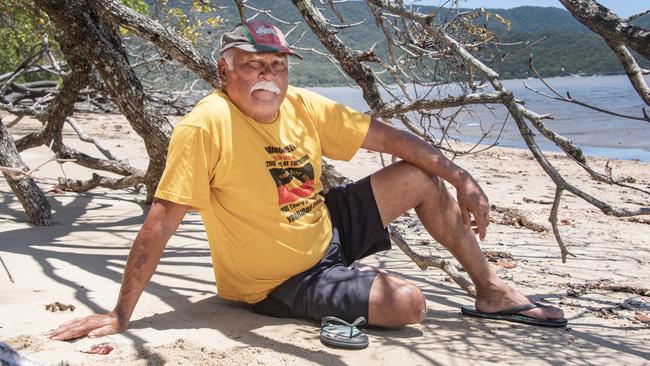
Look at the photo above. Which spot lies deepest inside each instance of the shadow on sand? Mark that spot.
(447, 332)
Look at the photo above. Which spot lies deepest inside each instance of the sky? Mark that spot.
(624, 8)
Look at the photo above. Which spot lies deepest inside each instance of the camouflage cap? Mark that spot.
(257, 36)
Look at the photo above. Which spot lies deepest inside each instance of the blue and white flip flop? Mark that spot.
(335, 332)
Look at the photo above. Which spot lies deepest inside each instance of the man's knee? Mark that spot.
(413, 305)
(396, 302)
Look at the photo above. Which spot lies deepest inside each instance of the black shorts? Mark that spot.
(333, 287)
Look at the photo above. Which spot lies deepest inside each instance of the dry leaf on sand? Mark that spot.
(643, 318)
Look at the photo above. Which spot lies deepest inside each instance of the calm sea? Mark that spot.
(598, 134)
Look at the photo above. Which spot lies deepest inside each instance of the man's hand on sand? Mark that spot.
(473, 202)
(92, 326)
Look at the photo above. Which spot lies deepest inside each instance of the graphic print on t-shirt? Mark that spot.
(294, 179)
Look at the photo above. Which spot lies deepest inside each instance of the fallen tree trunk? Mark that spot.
(31, 197)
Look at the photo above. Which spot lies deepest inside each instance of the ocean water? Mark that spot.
(598, 134)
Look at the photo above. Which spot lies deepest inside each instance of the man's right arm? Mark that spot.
(161, 222)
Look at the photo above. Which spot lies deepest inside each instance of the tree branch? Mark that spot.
(87, 138)
(633, 71)
(348, 58)
(609, 26)
(164, 38)
(100, 181)
(390, 110)
(425, 262)
(556, 231)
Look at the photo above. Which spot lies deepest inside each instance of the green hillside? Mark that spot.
(569, 48)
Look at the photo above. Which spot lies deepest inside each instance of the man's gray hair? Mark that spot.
(229, 58)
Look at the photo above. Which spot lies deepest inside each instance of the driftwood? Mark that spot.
(579, 289)
(99, 181)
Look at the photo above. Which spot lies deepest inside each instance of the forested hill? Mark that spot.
(568, 49)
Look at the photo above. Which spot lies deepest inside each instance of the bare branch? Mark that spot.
(425, 262)
(335, 10)
(633, 71)
(609, 26)
(556, 231)
(568, 98)
(87, 138)
(166, 39)
(31, 197)
(26, 64)
(636, 16)
(241, 10)
(113, 166)
(346, 57)
(15, 121)
(269, 14)
(100, 181)
(423, 104)
(50, 56)
(344, 26)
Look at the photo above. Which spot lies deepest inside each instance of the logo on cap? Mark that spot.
(262, 30)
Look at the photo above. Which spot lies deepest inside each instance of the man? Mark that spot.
(248, 158)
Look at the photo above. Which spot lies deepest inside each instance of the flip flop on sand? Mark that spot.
(514, 315)
(335, 332)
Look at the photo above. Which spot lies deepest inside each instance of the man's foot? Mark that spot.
(503, 297)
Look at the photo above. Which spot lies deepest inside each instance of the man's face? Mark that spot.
(257, 82)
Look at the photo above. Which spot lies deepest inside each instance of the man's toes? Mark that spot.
(549, 312)
(554, 313)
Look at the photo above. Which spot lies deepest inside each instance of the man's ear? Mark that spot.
(221, 65)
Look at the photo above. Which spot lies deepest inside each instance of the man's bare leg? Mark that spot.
(402, 186)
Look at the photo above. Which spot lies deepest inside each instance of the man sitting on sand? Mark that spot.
(248, 158)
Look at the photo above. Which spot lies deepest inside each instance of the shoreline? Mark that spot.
(591, 151)
(594, 152)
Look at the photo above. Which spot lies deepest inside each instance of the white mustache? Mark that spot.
(265, 85)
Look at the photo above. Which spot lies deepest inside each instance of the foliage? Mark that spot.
(22, 24)
(191, 19)
(21, 27)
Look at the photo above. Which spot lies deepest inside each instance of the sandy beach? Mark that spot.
(180, 320)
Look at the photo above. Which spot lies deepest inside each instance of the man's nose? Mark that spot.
(267, 71)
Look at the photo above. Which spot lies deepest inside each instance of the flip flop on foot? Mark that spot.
(335, 332)
(514, 315)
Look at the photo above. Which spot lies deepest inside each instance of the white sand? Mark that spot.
(180, 319)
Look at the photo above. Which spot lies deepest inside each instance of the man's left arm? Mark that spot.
(472, 200)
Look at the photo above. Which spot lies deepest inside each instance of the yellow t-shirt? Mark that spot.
(257, 186)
